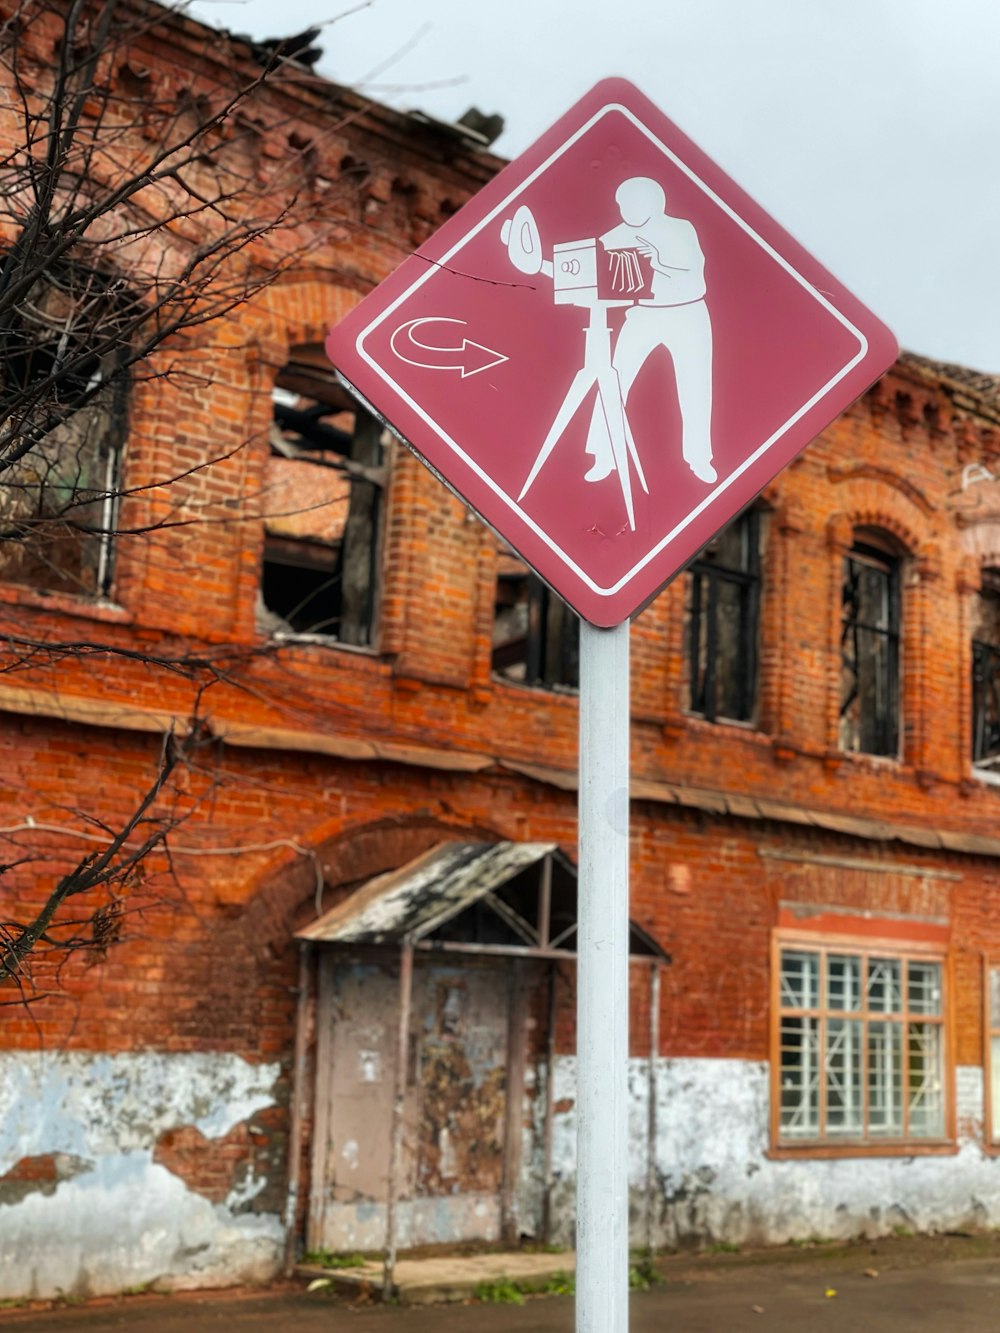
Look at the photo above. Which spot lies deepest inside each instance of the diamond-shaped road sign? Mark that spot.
(609, 351)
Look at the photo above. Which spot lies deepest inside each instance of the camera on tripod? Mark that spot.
(575, 276)
(578, 269)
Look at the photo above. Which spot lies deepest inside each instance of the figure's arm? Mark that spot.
(648, 249)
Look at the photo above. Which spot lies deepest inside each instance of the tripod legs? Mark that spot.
(609, 403)
(610, 399)
(582, 381)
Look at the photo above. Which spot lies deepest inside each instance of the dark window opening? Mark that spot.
(869, 652)
(986, 674)
(536, 637)
(323, 503)
(724, 623)
(59, 498)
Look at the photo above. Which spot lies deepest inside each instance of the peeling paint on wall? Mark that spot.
(716, 1182)
(86, 1208)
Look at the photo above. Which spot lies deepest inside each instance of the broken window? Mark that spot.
(723, 623)
(323, 505)
(869, 649)
(861, 1055)
(536, 637)
(58, 500)
(986, 674)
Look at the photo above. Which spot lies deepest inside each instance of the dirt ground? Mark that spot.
(948, 1284)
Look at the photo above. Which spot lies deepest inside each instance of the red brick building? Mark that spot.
(815, 739)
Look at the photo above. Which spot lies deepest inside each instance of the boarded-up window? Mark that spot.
(869, 650)
(986, 674)
(323, 508)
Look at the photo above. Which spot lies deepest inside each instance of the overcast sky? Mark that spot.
(869, 128)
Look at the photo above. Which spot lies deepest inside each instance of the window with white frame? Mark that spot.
(861, 1040)
(991, 1028)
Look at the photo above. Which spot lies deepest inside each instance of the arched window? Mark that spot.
(869, 646)
(986, 674)
(63, 404)
(324, 492)
(536, 637)
(723, 623)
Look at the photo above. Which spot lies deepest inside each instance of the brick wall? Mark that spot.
(351, 761)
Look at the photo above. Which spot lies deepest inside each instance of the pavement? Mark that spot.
(946, 1284)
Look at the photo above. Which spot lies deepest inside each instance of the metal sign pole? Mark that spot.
(602, 984)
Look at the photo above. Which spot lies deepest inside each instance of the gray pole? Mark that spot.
(602, 984)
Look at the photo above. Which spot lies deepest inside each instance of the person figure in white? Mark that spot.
(675, 317)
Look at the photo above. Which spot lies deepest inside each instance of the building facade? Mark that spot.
(374, 683)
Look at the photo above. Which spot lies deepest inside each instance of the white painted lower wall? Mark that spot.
(715, 1182)
(115, 1218)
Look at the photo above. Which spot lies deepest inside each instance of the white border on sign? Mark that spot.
(471, 463)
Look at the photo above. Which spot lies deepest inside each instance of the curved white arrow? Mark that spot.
(468, 357)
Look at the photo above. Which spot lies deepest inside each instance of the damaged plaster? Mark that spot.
(716, 1182)
(86, 1208)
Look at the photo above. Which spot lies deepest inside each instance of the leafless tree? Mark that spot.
(133, 214)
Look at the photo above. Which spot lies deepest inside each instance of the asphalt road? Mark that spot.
(947, 1297)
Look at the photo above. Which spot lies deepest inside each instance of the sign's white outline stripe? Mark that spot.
(439, 430)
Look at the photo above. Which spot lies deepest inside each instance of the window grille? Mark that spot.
(991, 1064)
(861, 1046)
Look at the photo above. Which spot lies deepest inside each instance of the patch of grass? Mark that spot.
(724, 1247)
(66, 1298)
(137, 1289)
(327, 1259)
(560, 1284)
(500, 1291)
(641, 1274)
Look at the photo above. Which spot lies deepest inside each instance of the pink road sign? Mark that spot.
(609, 351)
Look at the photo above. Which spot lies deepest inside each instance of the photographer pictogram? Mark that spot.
(653, 264)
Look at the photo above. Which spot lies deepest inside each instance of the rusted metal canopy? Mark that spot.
(407, 905)
(414, 900)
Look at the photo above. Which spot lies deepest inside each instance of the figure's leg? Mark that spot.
(690, 345)
(639, 337)
(636, 339)
(599, 445)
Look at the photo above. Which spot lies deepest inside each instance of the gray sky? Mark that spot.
(869, 128)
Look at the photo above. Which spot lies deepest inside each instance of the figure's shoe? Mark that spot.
(602, 467)
(703, 470)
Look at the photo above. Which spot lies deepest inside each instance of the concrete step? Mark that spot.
(445, 1278)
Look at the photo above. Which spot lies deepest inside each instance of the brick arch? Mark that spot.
(892, 519)
(284, 899)
(243, 968)
(290, 313)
